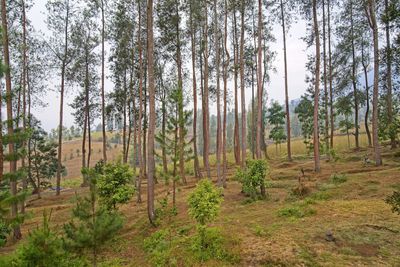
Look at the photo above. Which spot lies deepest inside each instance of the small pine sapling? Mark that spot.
(253, 177)
(394, 201)
(92, 224)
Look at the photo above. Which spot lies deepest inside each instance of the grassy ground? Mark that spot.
(283, 230)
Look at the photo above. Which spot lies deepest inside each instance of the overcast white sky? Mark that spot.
(296, 51)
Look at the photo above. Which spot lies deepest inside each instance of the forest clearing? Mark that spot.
(199, 133)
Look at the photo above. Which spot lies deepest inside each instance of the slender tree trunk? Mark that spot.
(139, 129)
(124, 145)
(242, 86)
(354, 80)
(84, 143)
(24, 87)
(88, 113)
(374, 26)
(389, 78)
(316, 93)
(332, 115)
(180, 105)
(103, 115)
(163, 130)
(10, 126)
(326, 113)
(236, 144)
(259, 83)
(289, 149)
(60, 129)
(1, 137)
(193, 42)
(218, 62)
(366, 119)
(206, 124)
(152, 116)
(226, 66)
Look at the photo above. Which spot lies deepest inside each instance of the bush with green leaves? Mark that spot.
(159, 248)
(114, 184)
(204, 205)
(338, 178)
(394, 201)
(253, 177)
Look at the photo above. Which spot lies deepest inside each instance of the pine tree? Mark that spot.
(92, 224)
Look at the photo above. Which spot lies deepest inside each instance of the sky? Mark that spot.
(296, 54)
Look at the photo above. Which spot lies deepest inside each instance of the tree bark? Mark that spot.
(103, 115)
(366, 119)
(139, 129)
(389, 77)
(226, 60)
(374, 26)
(206, 124)
(10, 127)
(316, 93)
(354, 79)
(259, 84)
(289, 149)
(332, 115)
(218, 59)
(242, 87)
(193, 43)
(235, 62)
(61, 116)
(325, 77)
(152, 115)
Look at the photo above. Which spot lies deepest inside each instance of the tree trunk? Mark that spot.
(193, 42)
(218, 62)
(316, 93)
(88, 113)
(366, 119)
(286, 83)
(1, 137)
(152, 116)
(124, 145)
(389, 78)
(332, 115)
(259, 84)
(354, 80)
(242, 87)
(374, 26)
(235, 62)
(139, 129)
(206, 124)
(10, 127)
(103, 115)
(84, 144)
(226, 66)
(60, 129)
(325, 76)
(180, 104)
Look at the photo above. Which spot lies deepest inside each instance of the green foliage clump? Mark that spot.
(253, 177)
(44, 248)
(204, 205)
(204, 202)
(338, 178)
(296, 212)
(114, 184)
(159, 247)
(210, 245)
(394, 201)
(92, 224)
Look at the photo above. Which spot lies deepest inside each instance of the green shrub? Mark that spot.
(253, 177)
(159, 248)
(204, 206)
(296, 212)
(394, 201)
(114, 184)
(338, 178)
(44, 248)
(209, 245)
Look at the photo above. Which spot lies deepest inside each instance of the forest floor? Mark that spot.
(283, 230)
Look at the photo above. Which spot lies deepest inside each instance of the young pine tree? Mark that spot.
(92, 224)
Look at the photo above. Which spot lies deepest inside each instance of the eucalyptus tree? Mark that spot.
(59, 18)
